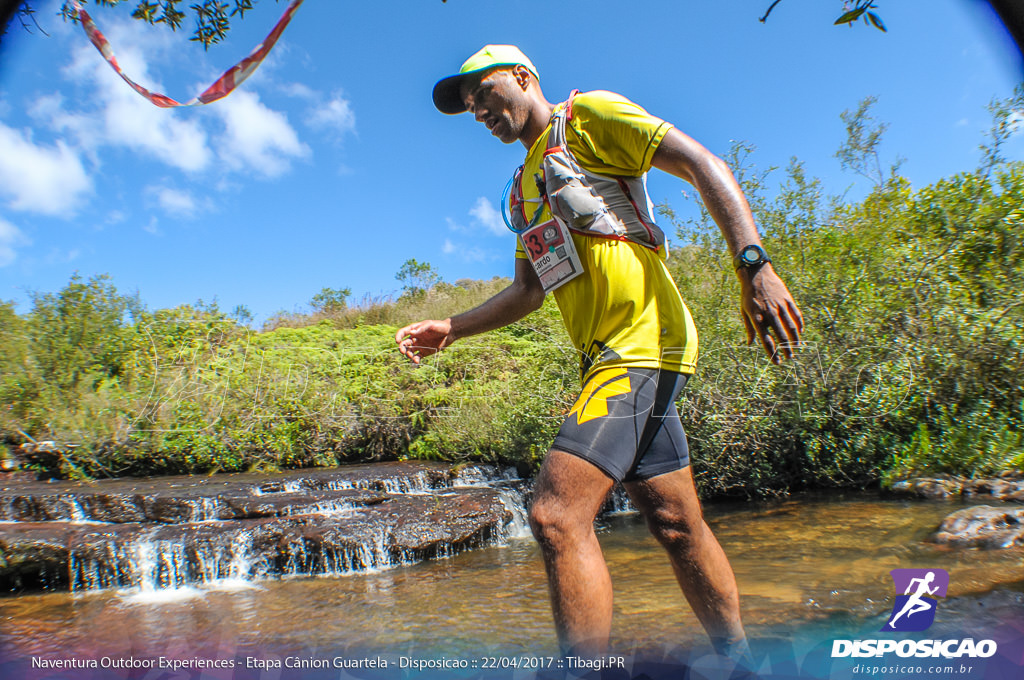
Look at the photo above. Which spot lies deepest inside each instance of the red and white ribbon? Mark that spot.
(231, 79)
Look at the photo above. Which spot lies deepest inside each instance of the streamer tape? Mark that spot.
(231, 79)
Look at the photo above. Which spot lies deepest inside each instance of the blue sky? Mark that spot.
(330, 166)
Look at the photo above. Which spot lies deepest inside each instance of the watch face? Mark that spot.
(750, 255)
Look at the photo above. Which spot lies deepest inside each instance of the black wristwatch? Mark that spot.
(751, 256)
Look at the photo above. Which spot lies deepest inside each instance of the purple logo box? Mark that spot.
(915, 603)
(903, 577)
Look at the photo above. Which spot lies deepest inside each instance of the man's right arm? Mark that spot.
(524, 295)
(765, 303)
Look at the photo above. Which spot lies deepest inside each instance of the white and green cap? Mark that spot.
(447, 98)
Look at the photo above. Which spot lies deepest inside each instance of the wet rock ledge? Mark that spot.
(177, 531)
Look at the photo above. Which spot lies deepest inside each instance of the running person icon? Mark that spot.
(917, 603)
(917, 598)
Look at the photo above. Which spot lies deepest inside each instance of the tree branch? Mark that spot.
(770, 8)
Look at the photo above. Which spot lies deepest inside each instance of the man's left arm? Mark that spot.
(765, 303)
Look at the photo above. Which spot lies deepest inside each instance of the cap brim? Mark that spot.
(447, 94)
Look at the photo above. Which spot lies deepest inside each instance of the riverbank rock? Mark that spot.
(175, 531)
(928, 487)
(46, 453)
(11, 467)
(982, 526)
(1009, 488)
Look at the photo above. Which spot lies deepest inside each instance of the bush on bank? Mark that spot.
(914, 343)
(913, 347)
(190, 390)
(910, 364)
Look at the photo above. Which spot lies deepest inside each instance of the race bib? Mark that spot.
(550, 250)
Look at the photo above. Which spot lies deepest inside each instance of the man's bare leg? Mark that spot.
(670, 505)
(567, 496)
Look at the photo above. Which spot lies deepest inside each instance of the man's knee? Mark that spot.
(568, 494)
(552, 523)
(675, 530)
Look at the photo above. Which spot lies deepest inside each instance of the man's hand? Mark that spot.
(421, 339)
(767, 307)
(522, 296)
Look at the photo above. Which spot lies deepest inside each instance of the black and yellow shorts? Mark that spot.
(626, 423)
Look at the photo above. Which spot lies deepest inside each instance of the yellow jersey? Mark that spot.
(625, 309)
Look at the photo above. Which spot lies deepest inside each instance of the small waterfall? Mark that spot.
(478, 475)
(111, 566)
(417, 484)
(618, 502)
(341, 485)
(221, 558)
(75, 511)
(278, 486)
(337, 509)
(512, 491)
(515, 500)
(205, 510)
(157, 564)
(329, 559)
(241, 562)
(374, 555)
(235, 530)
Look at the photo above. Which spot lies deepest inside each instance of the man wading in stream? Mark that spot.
(580, 207)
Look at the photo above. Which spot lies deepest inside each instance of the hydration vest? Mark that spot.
(585, 202)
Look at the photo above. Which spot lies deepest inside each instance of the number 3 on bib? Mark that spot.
(551, 251)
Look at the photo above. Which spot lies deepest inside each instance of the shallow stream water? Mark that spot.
(811, 561)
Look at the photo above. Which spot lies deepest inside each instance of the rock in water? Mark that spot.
(982, 526)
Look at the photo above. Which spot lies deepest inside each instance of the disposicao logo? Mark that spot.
(914, 610)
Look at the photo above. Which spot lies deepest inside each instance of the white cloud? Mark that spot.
(50, 109)
(10, 238)
(463, 252)
(484, 215)
(336, 115)
(486, 221)
(257, 137)
(487, 216)
(251, 138)
(174, 201)
(43, 179)
(59, 256)
(138, 125)
(125, 118)
(300, 90)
